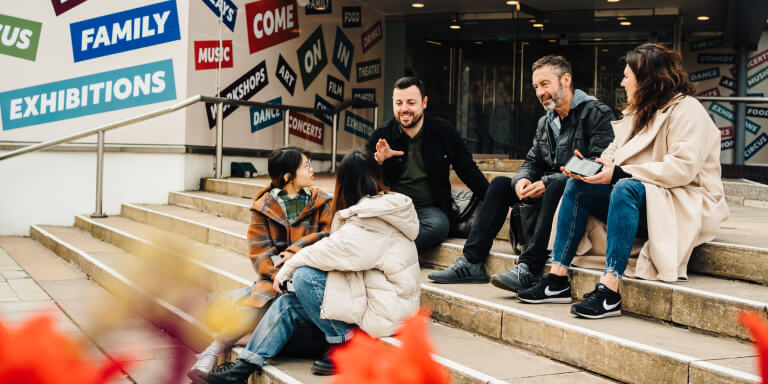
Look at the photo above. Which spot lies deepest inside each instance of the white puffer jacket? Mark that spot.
(373, 266)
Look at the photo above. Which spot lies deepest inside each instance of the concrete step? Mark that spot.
(490, 175)
(499, 165)
(746, 193)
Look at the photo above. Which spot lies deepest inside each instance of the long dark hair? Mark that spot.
(359, 175)
(281, 161)
(660, 76)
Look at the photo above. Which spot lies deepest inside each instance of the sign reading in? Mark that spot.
(264, 117)
(757, 78)
(229, 8)
(241, 89)
(368, 70)
(88, 95)
(286, 75)
(61, 6)
(343, 51)
(358, 126)
(335, 88)
(19, 37)
(716, 58)
(704, 44)
(306, 127)
(727, 114)
(372, 36)
(208, 53)
(351, 17)
(125, 31)
(367, 94)
(317, 7)
(757, 111)
(312, 57)
(710, 92)
(704, 75)
(755, 146)
(726, 133)
(271, 22)
(321, 103)
(727, 82)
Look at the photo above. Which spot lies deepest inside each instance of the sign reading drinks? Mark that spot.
(367, 94)
(372, 36)
(357, 125)
(305, 127)
(317, 7)
(285, 74)
(321, 103)
(335, 88)
(727, 114)
(704, 75)
(241, 89)
(343, 51)
(755, 146)
(125, 31)
(19, 37)
(264, 117)
(271, 22)
(368, 70)
(208, 54)
(312, 57)
(61, 6)
(229, 9)
(88, 95)
(351, 17)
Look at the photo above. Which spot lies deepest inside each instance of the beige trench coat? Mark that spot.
(677, 157)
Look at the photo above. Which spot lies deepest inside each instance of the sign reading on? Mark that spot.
(317, 7)
(704, 75)
(757, 111)
(61, 6)
(264, 117)
(305, 127)
(704, 44)
(19, 37)
(87, 95)
(312, 57)
(726, 133)
(757, 78)
(727, 114)
(271, 22)
(351, 17)
(368, 70)
(230, 11)
(710, 92)
(125, 31)
(358, 126)
(372, 36)
(285, 74)
(727, 82)
(367, 94)
(716, 58)
(241, 89)
(208, 54)
(321, 103)
(755, 146)
(343, 51)
(335, 88)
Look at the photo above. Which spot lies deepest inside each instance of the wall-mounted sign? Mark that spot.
(710, 92)
(229, 11)
(335, 88)
(727, 114)
(367, 94)
(357, 125)
(125, 31)
(717, 58)
(757, 112)
(321, 103)
(306, 127)
(343, 52)
(727, 82)
(757, 78)
(368, 70)
(285, 74)
(241, 89)
(61, 6)
(19, 37)
(312, 57)
(726, 144)
(87, 95)
(271, 22)
(264, 117)
(351, 17)
(726, 133)
(753, 62)
(317, 7)
(208, 53)
(372, 36)
(704, 44)
(755, 146)
(704, 75)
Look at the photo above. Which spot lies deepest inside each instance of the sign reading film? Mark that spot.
(306, 128)
(312, 57)
(368, 70)
(318, 7)
(270, 22)
(20, 37)
(243, 88)
(357, 125)
(125, 31)
(727, 114)
(87, 95)
(229, 16)
(61, 6)
(343, 52)
(208, 54)
(264, 117)
(335, 88)
(372, 36)
(321, 103)
(351, 17)
(285, 75)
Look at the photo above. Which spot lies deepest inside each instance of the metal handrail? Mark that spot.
(735, 99)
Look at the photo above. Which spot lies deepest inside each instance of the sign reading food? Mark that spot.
(351, 17)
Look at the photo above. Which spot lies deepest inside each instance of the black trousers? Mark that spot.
(500, 196)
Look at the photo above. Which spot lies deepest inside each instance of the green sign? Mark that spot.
(312, 57)
(757, 78)
(20, 37)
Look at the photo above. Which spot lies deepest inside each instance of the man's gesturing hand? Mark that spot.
(383, 151)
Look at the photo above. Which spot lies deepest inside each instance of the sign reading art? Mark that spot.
(351, 17)
(757, 111)
(19, 37)
(358, 126)
(312, 57)
(286, 75)
(230, 11)
(125, 31)
(727, 114)
(335, 88)
(306, 128)
(367, 94)
(372, 36)
(61, 6)
(271, 22)
(710, 92)
(727, 82)
(88, 95)
(368, 70)
(755, 146)
(757, 78)
(321, 103)
(704, 44)
(317, 7)
(264, 117)
(716, 58)
(343, 51)
(704, 75)
(241, 89)
(208, 53)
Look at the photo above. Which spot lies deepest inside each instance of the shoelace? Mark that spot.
(223, 367)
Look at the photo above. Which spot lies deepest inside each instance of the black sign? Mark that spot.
(716, 58)
(335, 88)
(727, 82)
(351, 17)
(704, 44)
(321, 103)
(368, 70)
(757, 112)
(367, 94)
(726, 144)
(286, 75)
(242, 89)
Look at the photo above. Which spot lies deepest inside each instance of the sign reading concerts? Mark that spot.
(372, 36)
(208, 54)
(242, 89)
(271, 22)
(368, 70)
(305, 127)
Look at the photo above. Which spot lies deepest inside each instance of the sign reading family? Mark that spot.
(125, 31)
(343, 51)
(209, 53)
(312, 57)
(61, 6)
(317, 7)
(20, 37)
(241, 89)
(264, 117)
(229, 15)
(286, 75)
(372, 36)
(271, 22)
(306, 128)
(87, 95)
(368, 70)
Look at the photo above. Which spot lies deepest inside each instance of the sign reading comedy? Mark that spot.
(229, 8)
(241, 89)
(312, 57)
(208, 53)
(306, 128)
(271, 22)
(19, 37)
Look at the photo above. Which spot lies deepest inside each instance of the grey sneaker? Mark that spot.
(516, 279)
(461, 271)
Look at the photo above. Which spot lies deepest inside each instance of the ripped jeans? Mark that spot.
(621, 207)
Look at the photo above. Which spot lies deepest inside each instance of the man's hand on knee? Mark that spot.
(533, 190)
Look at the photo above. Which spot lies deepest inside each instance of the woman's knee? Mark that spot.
(303, 276)
(628, 189)
(572, 188)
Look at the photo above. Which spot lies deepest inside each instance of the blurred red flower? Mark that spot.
(759, 330)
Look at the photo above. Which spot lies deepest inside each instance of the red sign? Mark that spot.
(372, 36)
(726, 133)
(271, 22)
(306, 128)
(710, 92)
(208, 54)
(754, 61)
(61, 6)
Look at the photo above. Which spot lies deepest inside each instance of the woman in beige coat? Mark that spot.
(660, 180)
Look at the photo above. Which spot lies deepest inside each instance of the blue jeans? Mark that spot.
(290, 313)
(622, 207)
(433, 228)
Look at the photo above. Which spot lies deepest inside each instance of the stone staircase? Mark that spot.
(670, 333)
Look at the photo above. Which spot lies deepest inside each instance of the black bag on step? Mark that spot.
(522, 223)
(465, 210)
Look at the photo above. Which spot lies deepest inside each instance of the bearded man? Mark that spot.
(573, 120)
(416, 151)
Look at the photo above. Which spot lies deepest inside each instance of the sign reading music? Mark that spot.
(208, 54)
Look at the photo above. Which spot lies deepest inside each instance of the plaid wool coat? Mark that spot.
(269, 234)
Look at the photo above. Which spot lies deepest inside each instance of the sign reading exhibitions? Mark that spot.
(305, 127)
(125, 31)
(208, 54)
(357, 125)
(19, 37)
(318, 7)
(351, 17)
(88, 95)
(241, 89)
(271, 22)
(343, 52)
(264, 117)
(727, 114)
(285, 74)
(61, 6)
(368, 70)
(312, 57)
(335, 88)
(372, 36)
(229, 16)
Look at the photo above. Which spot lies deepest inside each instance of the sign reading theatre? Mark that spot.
(241, 89)
(229, 11)
(368, 70)
(87, 95)
(19, 37)
(208, 53)
(271, 22)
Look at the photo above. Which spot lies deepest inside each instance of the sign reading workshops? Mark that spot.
(241, 89)
(125, 31)
(61, 6)
(270, 22)
(306, 128)
(264, 117)
(229, 8)
(208, 53)
(87, 95)
(19, 37)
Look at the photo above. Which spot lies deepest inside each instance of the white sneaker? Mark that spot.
(207, 359)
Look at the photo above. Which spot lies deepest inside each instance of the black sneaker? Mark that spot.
(550, 289)
(324, 366)
(460, 271)
(227, 373)
(516, 279)
(600, 303)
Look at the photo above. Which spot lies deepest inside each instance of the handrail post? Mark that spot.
(286, 123)
(219, 140)
(99, 175)
(335, 142)
(375, 117)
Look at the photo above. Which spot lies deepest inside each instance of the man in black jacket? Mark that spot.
(573, 120)
(416, 151)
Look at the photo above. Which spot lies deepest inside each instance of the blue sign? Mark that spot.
(755, 146)
(87, 95)
(264, 117)
(357, 125)
(230, 12)
(367, 94)
(704, 75)
(717, 58)
(727, 114)
(125, 31)
(321, 103)
(343, 52)
(317, 7)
